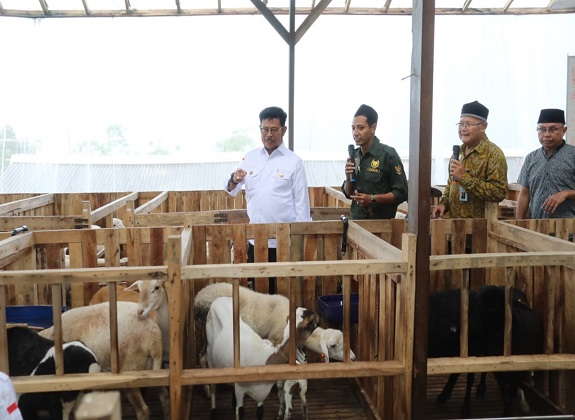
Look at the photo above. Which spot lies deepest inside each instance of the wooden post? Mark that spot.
(491, 210)
(421, 110)
(174, 289)
(100, 406)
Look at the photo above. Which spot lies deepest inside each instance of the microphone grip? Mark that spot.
(455, 156)
(351, 153)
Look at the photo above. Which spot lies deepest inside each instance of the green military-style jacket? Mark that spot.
(380, 171)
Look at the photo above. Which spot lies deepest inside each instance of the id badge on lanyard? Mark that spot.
(462, 193)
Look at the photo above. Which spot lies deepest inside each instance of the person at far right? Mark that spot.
(479, 174)
(547, 177)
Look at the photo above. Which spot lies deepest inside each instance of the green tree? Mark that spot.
(12, 146)
(114, 144)
(237, 142)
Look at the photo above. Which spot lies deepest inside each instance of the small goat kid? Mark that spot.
(327, 342)
(254, 351)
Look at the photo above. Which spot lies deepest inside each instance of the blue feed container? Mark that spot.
(39, 316)
(330, 308)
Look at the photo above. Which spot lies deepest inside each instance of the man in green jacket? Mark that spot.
(375, 178)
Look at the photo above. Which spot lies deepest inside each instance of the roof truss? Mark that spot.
(134, 8)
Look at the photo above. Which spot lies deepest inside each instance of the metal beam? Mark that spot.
(44, 6)
(310, 19)
(291, 89)
(387, 5)
(509, 2)
(270, 17)
(86, 8)
(550, 5)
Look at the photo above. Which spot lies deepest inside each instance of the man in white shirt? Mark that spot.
(274, 179)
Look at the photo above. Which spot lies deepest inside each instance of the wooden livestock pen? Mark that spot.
(191, 248)
(309, 265)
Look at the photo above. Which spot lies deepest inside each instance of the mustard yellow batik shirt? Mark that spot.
(485, 180)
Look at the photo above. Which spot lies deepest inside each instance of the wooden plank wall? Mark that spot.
(551, 292)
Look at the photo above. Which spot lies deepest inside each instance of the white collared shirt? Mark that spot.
(276, 187)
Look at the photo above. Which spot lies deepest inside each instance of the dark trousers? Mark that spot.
(271, 258)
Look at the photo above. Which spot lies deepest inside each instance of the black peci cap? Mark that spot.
(551, 116)
(367, 112)
(476, 110)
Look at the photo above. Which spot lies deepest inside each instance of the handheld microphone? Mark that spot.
(351, 153)
(455, 156)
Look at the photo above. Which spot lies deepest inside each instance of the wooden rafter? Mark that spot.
(466, 5)
(347, 4)
(128, 6)
(1, 9)
(178, 6)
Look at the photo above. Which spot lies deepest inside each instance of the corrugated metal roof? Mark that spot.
(70, 177)
(36, 174)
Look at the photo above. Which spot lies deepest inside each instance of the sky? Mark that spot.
(187, 83)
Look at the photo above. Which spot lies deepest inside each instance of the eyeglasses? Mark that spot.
(550, 130)
(273, 130)
(467, 124)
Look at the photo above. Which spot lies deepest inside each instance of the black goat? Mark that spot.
(485, 337)
(31, 354)
(444, 332)
(526, 332)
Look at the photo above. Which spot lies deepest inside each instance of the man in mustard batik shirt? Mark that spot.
(480, 173)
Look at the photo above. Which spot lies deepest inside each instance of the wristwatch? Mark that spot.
(372, 198)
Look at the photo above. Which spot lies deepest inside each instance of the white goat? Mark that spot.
(328, 342)
(254, 351)
(139, 343)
